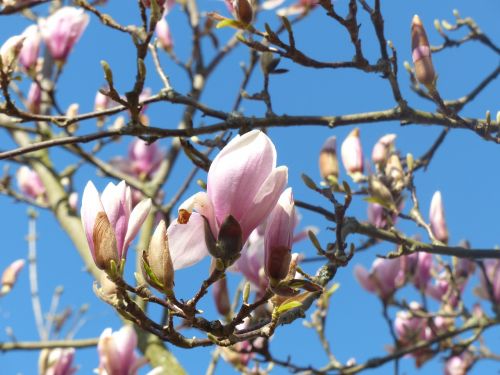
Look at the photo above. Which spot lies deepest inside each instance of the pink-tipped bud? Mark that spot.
(34, 98)
(421, 53)
(383, 148)
(158, 267)
(73, 200)
(164, 35)
(10, 274)
(221, 297)
(61, 30)
(57, 362)
(328, 161)
(29, 182)
(101, 101)
(352, 153)
(28, 55)
(117, 352)
(437, 218)
(278, 237)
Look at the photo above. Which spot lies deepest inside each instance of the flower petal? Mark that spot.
(91, 206)
(135, 222)
(187, 241)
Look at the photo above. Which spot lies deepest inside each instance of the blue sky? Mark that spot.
(464, 169)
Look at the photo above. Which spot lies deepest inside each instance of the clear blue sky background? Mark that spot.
(465, 169)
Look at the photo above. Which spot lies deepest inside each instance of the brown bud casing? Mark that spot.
(328, 161)
(230, 240)
(221, 296)
(244, 11)
(421, 53)
(104, 242)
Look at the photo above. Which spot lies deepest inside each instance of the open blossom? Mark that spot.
(60, 362)
(278, 237)
(352, 153)
(437, 218)
(384, 278)
(29, 182)
(117, 352)
(109, 222)
(61, 30)
(410, 328)
(28, 55)
(9, 276)
(243, 187)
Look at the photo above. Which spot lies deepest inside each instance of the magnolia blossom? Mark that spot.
(300, 7)
(9, 51)
(60, 362)
(418, 266)
(243, 187)
(34, 98)
(29, 182)
(28, 55)
(164, 35)
(421, 53)
(352, 153)
(10, 274)
(242, 10)
(384, 278)
(117, 352)
(278, 237)
(410, 328)
(62, 29)
(328, 162)
(437, 218)
(101, 101)
(443, 291)
(382, 148)
(109, 222)
(458, 364)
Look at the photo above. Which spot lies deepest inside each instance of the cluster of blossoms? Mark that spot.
(246, 211)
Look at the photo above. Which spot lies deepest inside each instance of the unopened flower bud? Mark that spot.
(10, 274)
(158, 260)
(73, 200)
(278, 237)
(328, 161)
(34, 98)
(437, 218)
(29, 182)
(28, 55)
(381, 193)
(421, 53)
(382, 148)
(243, 10)
(9, 52)
(352, 153)
(164, 35)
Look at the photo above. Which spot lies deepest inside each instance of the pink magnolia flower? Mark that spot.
(9, 51)
(60, 362)
(10, 274)
(61, 30)
(101, 101)
(437, 218)
(30, 183)
(109, 222)
(418, 266)
(300, 7)
(28, 55)
(442, 290)
(143, 159)
(458, 364)
(382, 148)
(164, 35)
(243, 186)
(352, 153)
(34, 98)
(278, 237)
(410, 328)
(117, 352)
(328, 161)
(384, 278)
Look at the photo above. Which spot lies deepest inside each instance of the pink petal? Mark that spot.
(187, 241)
(264, 201)
(91, 206)
(363, 277)
(135, 222)
(126, 342)
(201, 204)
